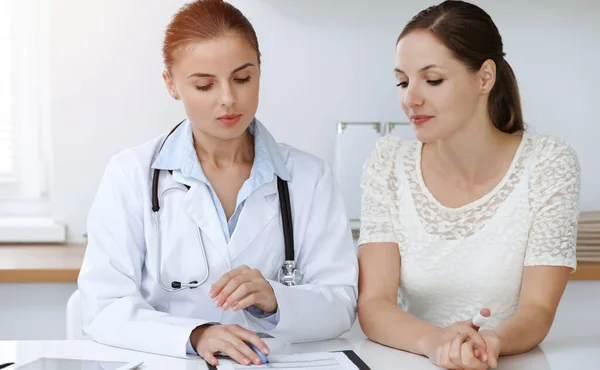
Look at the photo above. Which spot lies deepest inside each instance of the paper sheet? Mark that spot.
(306, 361)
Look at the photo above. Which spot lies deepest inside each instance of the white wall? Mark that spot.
(34, 311)
(323, 61)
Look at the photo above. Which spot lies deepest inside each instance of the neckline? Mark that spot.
(482, 199)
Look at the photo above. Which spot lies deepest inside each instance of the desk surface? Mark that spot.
(40, 263)
(569, 353)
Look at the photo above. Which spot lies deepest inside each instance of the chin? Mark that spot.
(229, 132)
(426, 134)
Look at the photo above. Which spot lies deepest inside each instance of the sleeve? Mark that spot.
(324, 305)
(377, 194)
(554, 200)
(189, 349)
(114, 311)
(256, 312)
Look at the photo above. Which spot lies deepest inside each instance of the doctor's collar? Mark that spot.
(178, 150)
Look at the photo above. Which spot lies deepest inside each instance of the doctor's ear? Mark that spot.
(170, 85)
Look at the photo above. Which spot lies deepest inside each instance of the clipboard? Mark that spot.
(352, 356)
(360, 364)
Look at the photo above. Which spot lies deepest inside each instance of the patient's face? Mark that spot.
(216, 78)
(434, 85)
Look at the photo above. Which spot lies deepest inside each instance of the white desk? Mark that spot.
(556, 353)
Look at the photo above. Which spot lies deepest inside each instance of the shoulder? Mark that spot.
(390, 145)
(555, 170)
(551, 152)
(301, 163)
(387, 150)
(135, 161)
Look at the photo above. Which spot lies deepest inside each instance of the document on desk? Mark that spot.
(306, 361)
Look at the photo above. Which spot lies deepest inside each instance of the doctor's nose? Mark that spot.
(226, 97)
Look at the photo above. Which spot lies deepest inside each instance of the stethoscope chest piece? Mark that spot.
(289, 275)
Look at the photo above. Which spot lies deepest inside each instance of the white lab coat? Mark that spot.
(125, 306)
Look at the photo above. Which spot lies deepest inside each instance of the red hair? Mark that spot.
(204, 20)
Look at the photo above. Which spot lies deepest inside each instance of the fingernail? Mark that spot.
(225, 306)
(246, 361)
(265, 351)
(211, 293)
(218, 302)
(234, 307)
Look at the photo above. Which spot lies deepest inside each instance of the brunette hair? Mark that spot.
(471, 35)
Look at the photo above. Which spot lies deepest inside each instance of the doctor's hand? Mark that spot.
(208, 340)
(243, 287)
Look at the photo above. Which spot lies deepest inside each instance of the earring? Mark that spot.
(484, 91)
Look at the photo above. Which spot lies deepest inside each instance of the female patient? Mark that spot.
(205, 275)
(476, 214)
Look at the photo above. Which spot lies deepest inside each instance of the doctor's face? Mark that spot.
(438, 93)
(218, 82)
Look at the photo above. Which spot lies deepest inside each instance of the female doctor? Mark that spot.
(187, 249)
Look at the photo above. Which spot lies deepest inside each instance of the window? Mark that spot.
(24, 201)
(6, 135)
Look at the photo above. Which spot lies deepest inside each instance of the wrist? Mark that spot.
(501, 342)
(197, 333)
(272, 305)
(427, 339)
(270, 309)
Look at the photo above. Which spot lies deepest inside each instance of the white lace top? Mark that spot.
(456, 261)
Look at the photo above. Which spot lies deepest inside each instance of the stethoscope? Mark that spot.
(288, 274)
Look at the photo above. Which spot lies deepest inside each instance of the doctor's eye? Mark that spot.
(242, 80)
(402, 84)
(435, 82)
(204, 88)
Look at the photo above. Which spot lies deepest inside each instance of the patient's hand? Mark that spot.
(461, 346)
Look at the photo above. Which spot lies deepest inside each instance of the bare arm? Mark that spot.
(551, 250)
(379, 266)
(541, 290)
(380, 317)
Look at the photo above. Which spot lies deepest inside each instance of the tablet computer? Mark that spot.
(47, 363)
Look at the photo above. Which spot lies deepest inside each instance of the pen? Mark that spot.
(2, 366)
(263, 358)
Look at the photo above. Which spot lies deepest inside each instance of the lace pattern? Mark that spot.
(463, 222)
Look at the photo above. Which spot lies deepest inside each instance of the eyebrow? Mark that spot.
(199, 74)
(420, 70)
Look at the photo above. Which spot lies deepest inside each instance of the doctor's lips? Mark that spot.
(419, 119)
(230, 119)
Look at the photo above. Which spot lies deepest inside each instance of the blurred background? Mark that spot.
(82, 81)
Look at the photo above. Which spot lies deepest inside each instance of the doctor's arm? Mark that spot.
(323, 306)
(114, 310)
